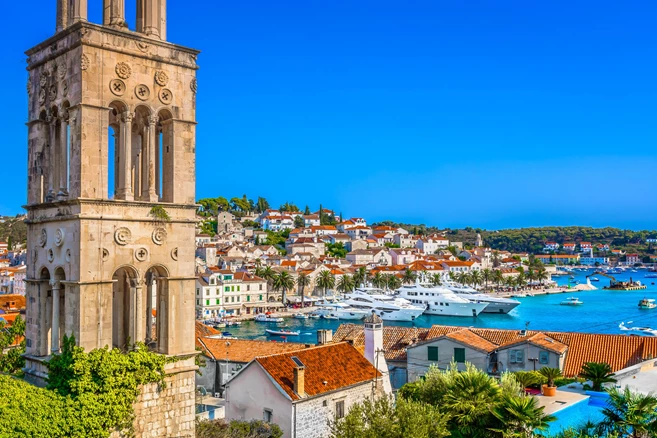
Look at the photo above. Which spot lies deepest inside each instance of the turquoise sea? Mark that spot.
(602, 312)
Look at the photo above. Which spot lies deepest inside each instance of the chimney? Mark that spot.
(299, 381)
(324, 337)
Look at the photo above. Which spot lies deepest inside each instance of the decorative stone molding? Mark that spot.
(68, 255)
(61, 69)
(64, 88)
(84, 62)
(144, 47)
(159, 236)
(60, 233)
(194, 85)
(161, 78)
(166, 96)
(52, 92)
(174, 254)
(104, 254)
(43, 80)
(29, 87)
(117, 87)
(141, 254)
(142, 92)
(43, 237)
(123, 70)
(122, 236)
(51, 255)
(42, 96)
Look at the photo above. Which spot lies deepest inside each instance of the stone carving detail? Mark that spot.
(59, 236)
(84, 64)
(42, 96)
(194, 85)
(104, 254)
(143, 46)
(61, 69)
(142, 92)
(43, 237)
(123, 70)
(166, 96)
(53, 92)
(64, 88)
(68, 255)
(117, 87)
(51, 255)
(35, 254)
(141, 254)
(159, 236)
(122, 236)
(29, 87)
(174, 253)
(43, 80)
(161, 78)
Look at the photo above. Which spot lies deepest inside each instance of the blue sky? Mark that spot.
(482, 113)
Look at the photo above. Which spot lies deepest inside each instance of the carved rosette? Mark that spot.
(59, 236)
(166, 96)
(43, 237)
(61, 69)
(194, 85)
(174, 254)
(123, 70)
(52, 93)
(122, 236)
(84, 62)
(142, 92)
(141, 254)
(159, 236)
(117, 87)
(161, 78)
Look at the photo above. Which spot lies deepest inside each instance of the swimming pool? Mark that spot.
(578, 414)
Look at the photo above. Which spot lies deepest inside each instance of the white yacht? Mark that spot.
(388, 307)
(340, 310)
(440, 301)
(495, 304)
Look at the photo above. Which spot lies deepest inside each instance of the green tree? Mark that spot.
(237, 429)
(498, 277)
(261, 205)
(268, 274)
(303, 281)
(550, 374)
(299, 222)
(475, 278)
(521, 417)
(598, 373)
(486, 276)
(360, 276)
(385, 418)
(378, 280)
(12, 346)
(436, 280)
(284, 282)
(306, 211)
(630, 414)
(325, 280)
(392, 282)
(409, 276)
(336, 249)
(345, 284)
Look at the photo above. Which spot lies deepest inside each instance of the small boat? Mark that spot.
(314, 316)
(572, 277)
(330, 317)
(226, 334)
(645, 330)
(281, 333)
(220, 325)
(266, 318)
(594, 279)
(571, 301)
(300, 316)
(651, 275)
(647, 303)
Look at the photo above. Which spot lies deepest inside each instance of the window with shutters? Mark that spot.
(516, 356)
(339, 409)
(459, 355)
(432, 353)
(544, 357)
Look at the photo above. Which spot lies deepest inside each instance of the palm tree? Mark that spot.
(475, 278)
(598, 373)
(498, 277)
(521, 280)
(463, 278)
(392, 281)
(436, 280)
(542, 274)
(528, 378)
(409, 276)
(550, 374)
(521, 416)
(346, 284)
(303, 280)
(360, 276)
(510, 282)
(326, 280)
(486, 275)
(283, 282)
(531, 275)
(378, 280)
(268, 274)
(452, 276)
(630, 414)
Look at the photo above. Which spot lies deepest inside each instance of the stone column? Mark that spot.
(114, 13)
(62, 14)
(54, 331)
(152, 142)
(52, 157)
(153, 18)
(139, 311)
(141, 5)
(150, 290)
(63, 155)
(125, 140)
(162, 19)
(145, 141)
(77, 11)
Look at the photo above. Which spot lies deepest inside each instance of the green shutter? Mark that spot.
(459, 355)
(218, 302)
(207, 302)
(248, 298)
(544, 357)
(432, 353)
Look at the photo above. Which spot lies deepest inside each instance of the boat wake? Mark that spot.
(643, 330)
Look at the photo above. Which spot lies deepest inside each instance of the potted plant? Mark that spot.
(550, 390)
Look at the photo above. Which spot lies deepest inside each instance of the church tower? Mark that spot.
(111, 198)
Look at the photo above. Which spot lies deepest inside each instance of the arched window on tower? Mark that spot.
(165, 156)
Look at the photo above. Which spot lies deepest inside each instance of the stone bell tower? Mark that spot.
(111, 194)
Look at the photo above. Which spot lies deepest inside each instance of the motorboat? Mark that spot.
(495, 304)
(329, 316)
(651, 275)
(341, 310)
(594, 279)
(441, 301)
(314, 316)
(387, 307)
(263, 317)
(301, 316)
(642, 330)
(647, 303)
(571, 301)
(227, 334)
(281, 332)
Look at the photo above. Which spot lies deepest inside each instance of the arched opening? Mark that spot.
(165, 156)
(157, 308)
(125, 299)
(58, 320)
(119, 149)
(144, 179)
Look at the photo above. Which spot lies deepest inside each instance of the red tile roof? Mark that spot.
(244, 350)
(327, 368)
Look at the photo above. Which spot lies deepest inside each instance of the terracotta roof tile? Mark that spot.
(327, 368)
(245, 350)
(467, 337)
